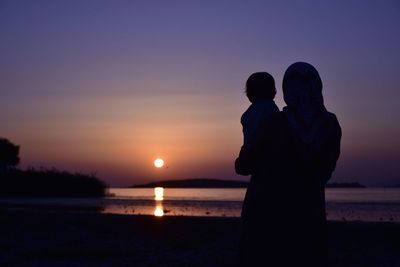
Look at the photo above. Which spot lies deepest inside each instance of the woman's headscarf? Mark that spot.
(302, 92)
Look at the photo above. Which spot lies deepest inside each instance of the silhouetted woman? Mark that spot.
(290, 159)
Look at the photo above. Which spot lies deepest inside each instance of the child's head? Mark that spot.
(260, 86)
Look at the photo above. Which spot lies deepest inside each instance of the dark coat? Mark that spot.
(283, 215)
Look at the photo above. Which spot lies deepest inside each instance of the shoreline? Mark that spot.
(336, 211)
(59, 238)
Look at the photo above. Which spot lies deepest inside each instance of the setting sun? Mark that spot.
(158, 163)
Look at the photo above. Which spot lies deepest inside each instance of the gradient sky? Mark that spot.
(108, 86)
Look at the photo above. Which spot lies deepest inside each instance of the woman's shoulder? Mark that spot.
(331, 119)
(334, 119)
(334, 123)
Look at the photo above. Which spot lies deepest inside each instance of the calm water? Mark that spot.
(365, 204)
(358, 195)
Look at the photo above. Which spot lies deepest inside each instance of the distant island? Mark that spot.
(345, 185)
(218, 183)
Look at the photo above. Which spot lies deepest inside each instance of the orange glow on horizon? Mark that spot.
(121, 152)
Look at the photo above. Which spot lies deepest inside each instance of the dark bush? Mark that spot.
(9, 154)
(49, 183)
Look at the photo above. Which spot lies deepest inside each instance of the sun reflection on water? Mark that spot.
(159, 197)
(159, 193)
(159, 211)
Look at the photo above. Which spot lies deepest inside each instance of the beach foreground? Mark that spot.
(59, 238)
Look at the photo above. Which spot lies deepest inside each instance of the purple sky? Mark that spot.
(108, 86)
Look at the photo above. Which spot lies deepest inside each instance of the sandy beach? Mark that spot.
(63, 238)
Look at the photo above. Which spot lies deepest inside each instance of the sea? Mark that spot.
(343, 204)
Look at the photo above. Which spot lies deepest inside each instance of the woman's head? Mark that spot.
(302, 90)
(260, 86)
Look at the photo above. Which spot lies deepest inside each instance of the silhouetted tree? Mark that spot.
(9, 154)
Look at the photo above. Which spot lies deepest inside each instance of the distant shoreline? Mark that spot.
(194, 183)
(219, 183)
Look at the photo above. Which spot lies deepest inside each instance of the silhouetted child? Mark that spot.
(260, 89)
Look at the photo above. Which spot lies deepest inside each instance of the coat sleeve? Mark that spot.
(243, 162)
